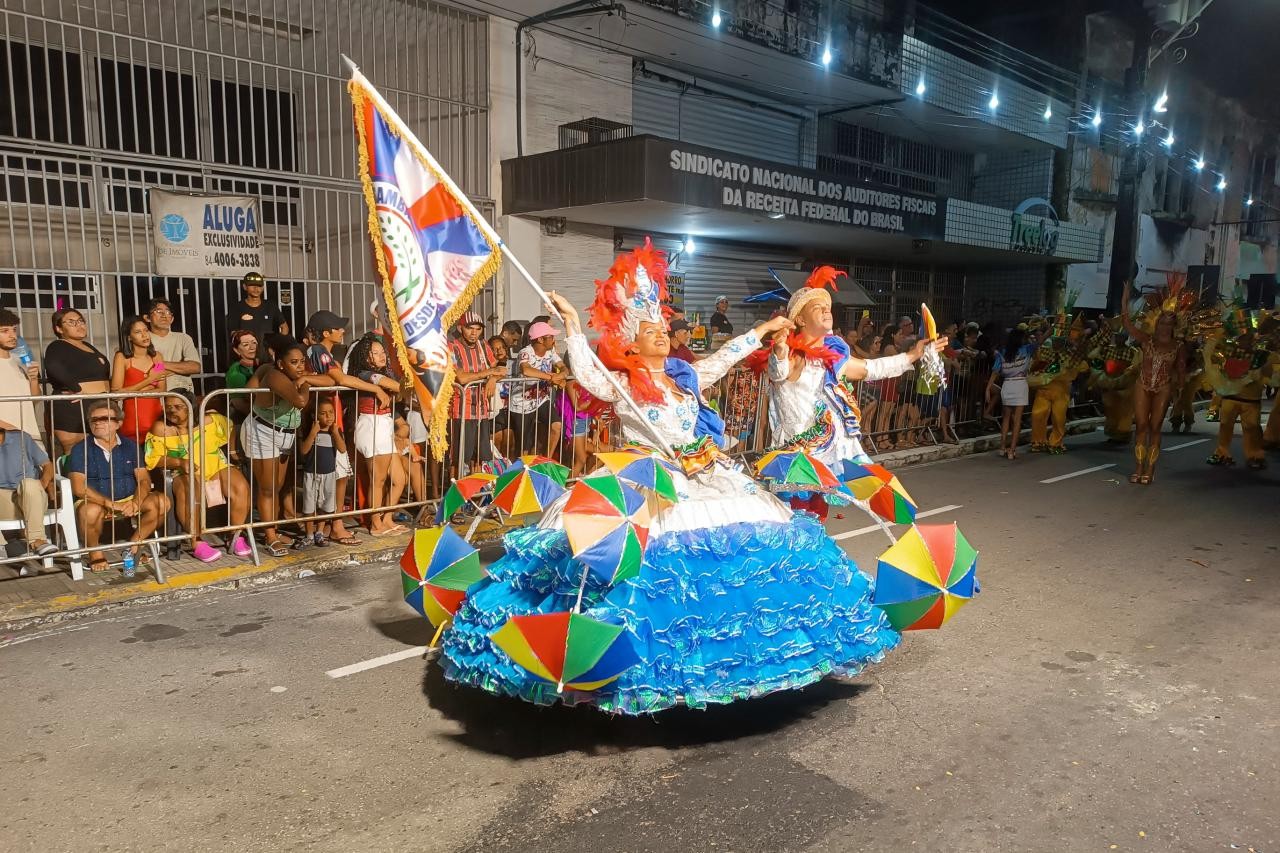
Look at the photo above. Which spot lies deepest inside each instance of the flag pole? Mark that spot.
(465, 202)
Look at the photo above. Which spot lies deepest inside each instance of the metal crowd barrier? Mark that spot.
(276, 485)
(63, 513)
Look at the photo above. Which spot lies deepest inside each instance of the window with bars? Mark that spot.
(48, 292)
(252, 126)
(34, 180)
(45, 91)
(863, 154)
(146, 110)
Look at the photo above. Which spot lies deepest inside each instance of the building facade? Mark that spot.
(107, 102)
(924, 169)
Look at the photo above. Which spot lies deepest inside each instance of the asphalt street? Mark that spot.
(1114, 687)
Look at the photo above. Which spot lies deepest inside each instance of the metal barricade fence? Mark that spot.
(299, 467)
(81, 520)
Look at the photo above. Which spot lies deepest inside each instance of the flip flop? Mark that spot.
(347, 540)
(99, 566)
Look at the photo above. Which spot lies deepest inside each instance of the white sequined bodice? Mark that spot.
(675, 418)
(792, 404)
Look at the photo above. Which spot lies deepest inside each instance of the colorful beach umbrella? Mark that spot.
(463, 490)
(607, 525)
(544, 465)
(525, 488)
(567, 649)
(439, 556)
(878, 487)
(926, 576)
(644, 470)
(796, 468)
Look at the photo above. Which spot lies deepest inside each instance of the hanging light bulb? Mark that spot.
(1139, 128)
(920, 88)
(1097, 118)
(1168, 140)
(689, 246)
(1248, 202)
(1222, 183)
(826, 55)
(716, 20)
(1199, 164)
(1048, 111)
(1162, 103)
(994, 103)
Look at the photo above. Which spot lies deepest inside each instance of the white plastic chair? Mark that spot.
(63, 515)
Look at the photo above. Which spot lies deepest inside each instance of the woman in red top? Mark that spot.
(137, 369)
(375, 433)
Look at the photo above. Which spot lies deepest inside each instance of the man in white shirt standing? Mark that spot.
(17, 381)
(176, 348)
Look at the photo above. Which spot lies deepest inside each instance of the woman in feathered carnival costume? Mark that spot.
(1238, 362)
(813, 404)
(735, 596)
(1159, 335)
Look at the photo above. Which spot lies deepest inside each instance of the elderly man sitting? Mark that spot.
(110, 482)
(26, 484)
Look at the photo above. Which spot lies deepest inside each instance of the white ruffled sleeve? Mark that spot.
(779, 369)
(712, 368)
(588, 371)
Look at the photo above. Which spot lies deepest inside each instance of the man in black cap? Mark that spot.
(255, 314)
(680, 341)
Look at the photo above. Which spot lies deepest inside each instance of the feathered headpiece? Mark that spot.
(632, 294)
(814, 288)
(1175, 299)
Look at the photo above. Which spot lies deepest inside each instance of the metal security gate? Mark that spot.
(103, 101)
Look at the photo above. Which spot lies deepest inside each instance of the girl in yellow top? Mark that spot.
(196, 456)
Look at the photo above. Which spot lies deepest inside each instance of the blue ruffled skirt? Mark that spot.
(717, 613)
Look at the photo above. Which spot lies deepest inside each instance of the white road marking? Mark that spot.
(1079, 473)
(374, 663)
(1185, 444)
(862, 531)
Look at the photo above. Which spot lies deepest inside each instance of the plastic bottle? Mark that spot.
(23, 353)
(130, 567)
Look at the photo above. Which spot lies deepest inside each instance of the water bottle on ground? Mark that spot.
(130, 566)
(23, 353)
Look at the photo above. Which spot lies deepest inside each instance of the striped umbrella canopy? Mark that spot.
(466, 489)
(878, 487)
(607, 525)
(568, 649)
(926, 576)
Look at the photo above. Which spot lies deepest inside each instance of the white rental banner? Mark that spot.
(205, 236)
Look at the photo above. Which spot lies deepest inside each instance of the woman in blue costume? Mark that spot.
(737, 596)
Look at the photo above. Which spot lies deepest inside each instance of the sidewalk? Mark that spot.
(52, 596)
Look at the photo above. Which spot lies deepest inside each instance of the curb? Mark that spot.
(63, 608)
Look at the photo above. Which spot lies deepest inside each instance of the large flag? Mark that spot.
(433, 256)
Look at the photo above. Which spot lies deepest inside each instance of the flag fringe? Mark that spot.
(439, 421)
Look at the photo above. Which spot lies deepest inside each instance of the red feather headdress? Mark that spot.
(633, 293)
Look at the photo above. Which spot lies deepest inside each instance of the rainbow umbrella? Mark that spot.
(877, 487)
(437, 605)
(441, 557)
(567, 649)
(797, 468)
(643, 470)
(926, 576)
(607, 525)
(524, 488)
(462, 491)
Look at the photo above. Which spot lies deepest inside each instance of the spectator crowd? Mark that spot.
(314, 438)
